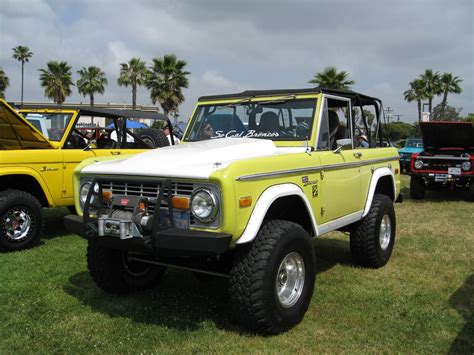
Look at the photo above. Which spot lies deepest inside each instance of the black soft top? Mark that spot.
(102, 112)
(355, 96)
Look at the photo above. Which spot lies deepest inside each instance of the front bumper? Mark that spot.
(165, 242)
(443, 179)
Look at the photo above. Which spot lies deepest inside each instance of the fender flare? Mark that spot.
(32, 173)
(265, 201)
(376, 176)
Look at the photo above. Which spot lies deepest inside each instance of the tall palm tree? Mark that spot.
(92, 80)
(56, 80)
(432, 83)
(449, 85)
(166, 80)
(133, 73)
(330, 78)
(23, 55)
(4, 83)
(416, 93)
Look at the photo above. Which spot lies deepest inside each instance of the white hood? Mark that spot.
(193, 160)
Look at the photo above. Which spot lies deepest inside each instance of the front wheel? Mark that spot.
(21, 220)
(417, 188)
(372, 239)
(272, 279)
(114, 272)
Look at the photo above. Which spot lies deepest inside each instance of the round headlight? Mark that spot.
(466, 166)
(418, 164)
(204, 205)
(84, 190)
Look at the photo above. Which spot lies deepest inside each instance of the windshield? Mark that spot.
(414, 143)
(52, 125)
(278, 120)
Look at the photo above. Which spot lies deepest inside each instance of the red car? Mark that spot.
(447, 159)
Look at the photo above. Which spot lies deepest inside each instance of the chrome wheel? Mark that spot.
(17, 223)
(290, 279)
(385, 232)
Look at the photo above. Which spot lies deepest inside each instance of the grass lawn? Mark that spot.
(422, 301)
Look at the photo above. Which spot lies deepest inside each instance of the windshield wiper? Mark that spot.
(247, 99)
(277, 101)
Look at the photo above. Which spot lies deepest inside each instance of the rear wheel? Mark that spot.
(154, 138)
(417, 188)
(272, 279)
(373, 238)
(114, 272)
(21, 220)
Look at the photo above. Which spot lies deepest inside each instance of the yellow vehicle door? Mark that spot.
(340, 168)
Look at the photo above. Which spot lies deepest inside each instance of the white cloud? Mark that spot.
(231, 46)
(217, 81)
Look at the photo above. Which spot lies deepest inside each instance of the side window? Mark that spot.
(335, 124)
(360, 129)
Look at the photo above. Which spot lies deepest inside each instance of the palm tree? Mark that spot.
(330, 78)
(23, 55)
(416, 93)
(432, 83)
(4, 83)
(449, 85)
(57, 81)
(92, 81)
(166, 80)
(133, 73)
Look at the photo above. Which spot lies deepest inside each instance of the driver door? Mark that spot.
(340, 174)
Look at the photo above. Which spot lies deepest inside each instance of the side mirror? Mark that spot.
(343, 143)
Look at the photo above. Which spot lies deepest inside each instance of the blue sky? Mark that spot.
(237, 45)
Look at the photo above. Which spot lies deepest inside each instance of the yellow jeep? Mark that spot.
(38, 154)
(259, 176)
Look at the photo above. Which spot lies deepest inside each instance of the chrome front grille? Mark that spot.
(146, 189)
(440, 164)
(149, 190)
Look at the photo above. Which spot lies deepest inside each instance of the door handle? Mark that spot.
(357, 154)
(115, 153)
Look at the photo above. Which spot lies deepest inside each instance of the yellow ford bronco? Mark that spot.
(39, 151)
(259, 175)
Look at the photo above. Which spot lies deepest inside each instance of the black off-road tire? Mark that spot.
(255, 277)
(368, 248)
(471, 191)
(417, 188)
(111, 271)
(19, 209)
(154, 137)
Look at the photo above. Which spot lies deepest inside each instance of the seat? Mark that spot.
(333, 128)
(75, 142)
(106, 143)
(269, 122)
(225, 123)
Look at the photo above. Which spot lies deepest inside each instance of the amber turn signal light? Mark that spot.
(181, 203)
(245, 201)
(106, 195)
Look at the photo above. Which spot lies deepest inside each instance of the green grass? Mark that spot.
(422, 301)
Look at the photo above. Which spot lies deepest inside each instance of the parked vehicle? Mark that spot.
(446, 161)
(412, 145)
(38, 154)
(259, 175)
